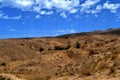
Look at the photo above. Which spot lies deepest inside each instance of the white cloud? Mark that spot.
(88, 4)
(15, 17)
(73, 11)
(37, 5)
(63, 15)
(48, 7)
(20, 4)
(88, 7)
(66, 31)
(37, 16)
(3, 16)
(71, 30)
(111, 7)
(118, 15)
(96, 15)
(99, 7)
(108, 6)
(46, 12)
(61, 31)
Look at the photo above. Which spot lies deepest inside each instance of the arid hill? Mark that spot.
(81, 56)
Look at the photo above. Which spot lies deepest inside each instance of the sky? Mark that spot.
(38, 18)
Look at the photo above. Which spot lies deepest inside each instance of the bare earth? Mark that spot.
(81, 56)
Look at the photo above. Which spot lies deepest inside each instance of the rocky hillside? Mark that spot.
(80, 56)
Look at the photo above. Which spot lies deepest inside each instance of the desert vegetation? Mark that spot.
(77, 45)
(87, 56)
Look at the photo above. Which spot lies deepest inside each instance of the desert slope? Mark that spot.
(80, 56)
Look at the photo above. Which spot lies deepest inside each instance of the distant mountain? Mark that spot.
(110, 31)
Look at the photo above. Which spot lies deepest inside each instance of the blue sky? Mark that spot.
(37, 18)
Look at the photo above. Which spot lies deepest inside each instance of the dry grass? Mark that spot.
(9, 77)
(77, 57)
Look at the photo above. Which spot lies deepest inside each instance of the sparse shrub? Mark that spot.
(87, 73)
(66, 37)
(112, 71)
(59, 48)
(41, 49)
(62, 48)
(77, 45)
(3, 64)
(68, 46)
(98, 44)
(93, 51)
(114, 53)
(22, 44)
(49, 49)
(1, 78)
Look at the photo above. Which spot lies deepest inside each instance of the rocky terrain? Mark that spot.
(80, 56)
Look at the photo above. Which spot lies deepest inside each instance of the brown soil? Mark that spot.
(81, 56)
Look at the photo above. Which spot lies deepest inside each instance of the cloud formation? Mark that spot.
(63, 15)
(87, 5)
(48, 7)
(111, 7)
(37, 16)
(66, 31)
(4, 16)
